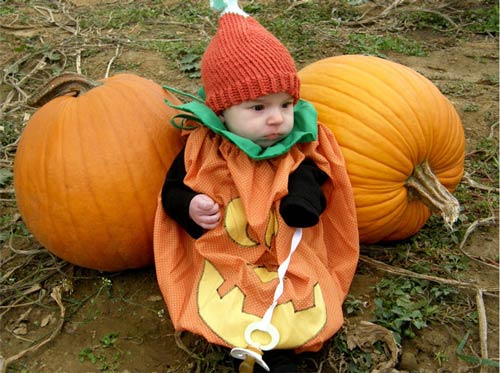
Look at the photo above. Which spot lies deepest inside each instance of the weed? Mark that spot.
(471, 107)
(7, 9)
(119, 17)
(189, 12)
(480, 20)
(344, 12)
(346, 359)
(109, 339)
(190, 65)
(441, 357)
(106, 353)
(425, 19)
(483, 20)
(9, 132)
(406, 305)
(353, 306)
(106, 286)
(300, 27)
(376, 44)
(456, 88)
(482, 165)
(6, 176)
(87, 354)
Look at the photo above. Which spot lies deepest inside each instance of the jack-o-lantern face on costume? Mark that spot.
(220, 283)
(217, 296)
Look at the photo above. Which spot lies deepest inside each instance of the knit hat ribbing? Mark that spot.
(245, 61)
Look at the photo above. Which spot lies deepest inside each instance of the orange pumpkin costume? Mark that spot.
(220, 283)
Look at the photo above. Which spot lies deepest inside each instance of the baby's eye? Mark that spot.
(258, 107)
(286, 105)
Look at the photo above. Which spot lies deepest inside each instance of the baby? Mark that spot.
(255, 239)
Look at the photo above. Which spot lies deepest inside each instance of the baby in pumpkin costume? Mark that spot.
(255, 239)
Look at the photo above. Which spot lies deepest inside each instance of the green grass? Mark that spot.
(483, 20)
(376, 45)
(304, 29)
(483, 167)
(7, 9)
(456, 88)
(477, 20)
(119, 17)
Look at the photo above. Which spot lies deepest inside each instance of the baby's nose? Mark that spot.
(275, 117)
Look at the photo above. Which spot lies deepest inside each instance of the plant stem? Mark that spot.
(425, 186)
(64, 84)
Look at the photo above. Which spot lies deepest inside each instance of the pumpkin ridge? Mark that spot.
(54, 126)
(373, 199)
(368, 138)
(367, 165)
(160, 151)
(137, 90)
(80, 112)
(413, 218)
(59, 129)
(442, 114)
(101, 115)
(41, 179)
(139, 199)
(382, 225)
(404, 153)
(450, 151)
(390, 69)
(417, 83)
(71, 231)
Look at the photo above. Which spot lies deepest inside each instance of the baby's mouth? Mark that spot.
(272, 136)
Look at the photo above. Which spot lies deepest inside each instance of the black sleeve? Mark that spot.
(305, 200)
(176, 196)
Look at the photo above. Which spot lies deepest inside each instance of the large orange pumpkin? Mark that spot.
(402, 140)
(89, 167)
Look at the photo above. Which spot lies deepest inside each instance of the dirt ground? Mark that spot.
(119, 323)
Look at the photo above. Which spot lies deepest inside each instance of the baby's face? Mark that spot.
(265, 120)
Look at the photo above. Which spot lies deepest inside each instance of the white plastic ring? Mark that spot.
(266, 328)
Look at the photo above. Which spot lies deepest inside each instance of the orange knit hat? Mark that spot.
(245, 61)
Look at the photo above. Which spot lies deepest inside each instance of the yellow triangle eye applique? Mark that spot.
(272, 228)
(236, 225)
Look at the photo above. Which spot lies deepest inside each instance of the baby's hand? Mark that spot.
(204, 211)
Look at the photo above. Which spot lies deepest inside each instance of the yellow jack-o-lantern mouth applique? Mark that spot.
(224, 315)
(236, 225)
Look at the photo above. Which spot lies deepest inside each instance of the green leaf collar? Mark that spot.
(305, 127)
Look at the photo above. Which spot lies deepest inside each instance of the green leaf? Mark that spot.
(5, 177)
(189, 58)
(474, 359)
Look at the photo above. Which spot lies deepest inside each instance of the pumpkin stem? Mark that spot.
(425, 186)
(64, 84)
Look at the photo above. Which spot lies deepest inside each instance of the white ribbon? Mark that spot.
(265, 324)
